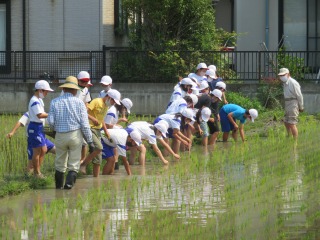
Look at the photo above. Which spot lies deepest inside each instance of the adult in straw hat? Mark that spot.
(293, 100)
(69, 118)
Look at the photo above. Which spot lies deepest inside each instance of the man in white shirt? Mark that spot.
(293, 101)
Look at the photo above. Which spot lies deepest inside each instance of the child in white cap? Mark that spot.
(106, 83)
(97, 110)
(37, 117)
(175, 123)
(151, 133)
(120, 139)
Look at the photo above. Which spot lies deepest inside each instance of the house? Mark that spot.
(293, 23)
(59, 25)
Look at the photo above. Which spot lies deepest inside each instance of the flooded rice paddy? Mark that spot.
(267, 188)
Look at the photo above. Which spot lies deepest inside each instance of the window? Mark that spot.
(4, 36)
(120, 19)
(300, 24)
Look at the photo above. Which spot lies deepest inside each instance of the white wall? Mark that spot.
(64, 25)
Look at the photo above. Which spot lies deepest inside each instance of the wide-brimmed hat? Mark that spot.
(43, 85)
(71, 82)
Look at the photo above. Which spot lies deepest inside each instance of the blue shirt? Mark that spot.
(237, 111)
(68, 113)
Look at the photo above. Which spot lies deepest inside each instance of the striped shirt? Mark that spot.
(68, 113)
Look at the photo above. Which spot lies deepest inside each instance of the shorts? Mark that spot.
(204, 128)
(96, 138)
(36, 136)
(107, 150)
(226, 125)
(291, 109)
(49, 144)
(213, 126)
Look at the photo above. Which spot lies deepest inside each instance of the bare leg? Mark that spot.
(235, 135)
(132, 157)
(83, 153)
(96, 170)
(142, 156)
(204, 141)
(37, 157)
(109, 166)
(213, 138)
(225, 136)
(88, 159)
(175, 145)
(291, 130)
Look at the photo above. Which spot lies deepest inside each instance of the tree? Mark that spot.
(173, 25)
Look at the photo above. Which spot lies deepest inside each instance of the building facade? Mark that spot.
(294, 24)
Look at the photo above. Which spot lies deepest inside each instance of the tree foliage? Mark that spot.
(173, 25)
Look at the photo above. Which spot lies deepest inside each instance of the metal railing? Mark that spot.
(148, 66)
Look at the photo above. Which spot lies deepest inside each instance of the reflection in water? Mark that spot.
(232, 192)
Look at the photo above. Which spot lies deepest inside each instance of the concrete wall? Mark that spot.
(147, 98)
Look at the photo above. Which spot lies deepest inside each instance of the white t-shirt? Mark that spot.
(172, 120)
(119, 140)
(24, 120)
(112, 116)
(84, 95)
(35, 107)
(146, 132)
(177, 106)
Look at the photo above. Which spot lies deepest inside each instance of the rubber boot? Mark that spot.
(59, 179)
(70, 179)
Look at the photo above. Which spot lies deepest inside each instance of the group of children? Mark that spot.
(193, 109)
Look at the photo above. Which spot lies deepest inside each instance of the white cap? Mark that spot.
(253, 113)
(106, 80)
(84, 76)
(188, 113)
(187, 81)
(202, 65)
(205, 114)
(217, 93)
(136, 136)
(212, 67)
(194, 98)
(221, 85)
(162, 126)
(203, 85)
(43, 85)
(211, 73)
(115, 95)
(127, 103)
(283, 71)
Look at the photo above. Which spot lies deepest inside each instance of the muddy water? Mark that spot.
(231, 192)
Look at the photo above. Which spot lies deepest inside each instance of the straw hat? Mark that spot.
(71, 82)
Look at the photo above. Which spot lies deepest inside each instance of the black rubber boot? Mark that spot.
(70, 179)
(59, 179)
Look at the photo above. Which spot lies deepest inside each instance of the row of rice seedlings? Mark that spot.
(250, 184)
